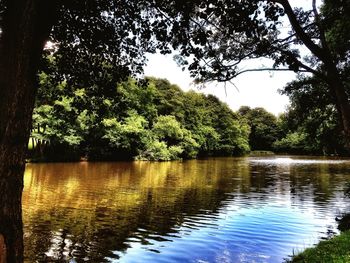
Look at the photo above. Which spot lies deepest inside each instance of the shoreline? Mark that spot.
(336, 250)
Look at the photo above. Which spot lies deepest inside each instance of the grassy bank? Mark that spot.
(335, 250)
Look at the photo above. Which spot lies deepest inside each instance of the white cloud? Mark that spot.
(255, 89)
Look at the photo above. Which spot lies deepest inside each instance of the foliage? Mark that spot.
(167, 128)
(159, 151)
(127, 136)
(142, 120)
(311, 124)
(334, 250)
(264, 129)
(97, 44)
(293, 143)
(218, 35)
(223, 34)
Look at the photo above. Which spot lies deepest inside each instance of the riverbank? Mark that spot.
(335, 250)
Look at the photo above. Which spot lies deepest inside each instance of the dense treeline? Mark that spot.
(264, 128)
(149, 120)
(310, 125)
(152, 119)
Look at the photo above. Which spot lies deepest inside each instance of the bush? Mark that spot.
(159, 151)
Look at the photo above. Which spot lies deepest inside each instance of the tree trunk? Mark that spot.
(341, 99)
(25, 27)
(324, 54)
(344, 110)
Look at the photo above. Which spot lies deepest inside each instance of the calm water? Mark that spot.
(216, 210)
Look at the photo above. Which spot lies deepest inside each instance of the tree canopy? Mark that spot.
(310, 125)
(264, 129)
(223, 34)
(136, 121)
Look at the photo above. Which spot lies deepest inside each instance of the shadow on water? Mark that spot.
(200, 210)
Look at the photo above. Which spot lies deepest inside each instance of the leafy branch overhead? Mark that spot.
(220, 35)
(94, 42)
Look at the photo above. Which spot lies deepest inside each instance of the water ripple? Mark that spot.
(216, 210)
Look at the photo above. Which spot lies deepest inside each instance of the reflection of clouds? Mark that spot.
(252, 258)
(61, 245)
(215, 210)
(267, 233)
(225, 256)
(287, 161)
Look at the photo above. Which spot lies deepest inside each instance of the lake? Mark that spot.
(252, 209)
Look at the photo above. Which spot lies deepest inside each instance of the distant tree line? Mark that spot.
(149, 119)
(310, 125)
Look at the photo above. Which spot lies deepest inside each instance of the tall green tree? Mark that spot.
(135, 121)
(264, 130)
(222, 34)
(233, 131)
(310, 124)
(90, 39)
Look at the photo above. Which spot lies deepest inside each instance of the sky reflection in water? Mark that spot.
(216, 210)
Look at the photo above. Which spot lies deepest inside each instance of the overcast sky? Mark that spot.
(255, 89)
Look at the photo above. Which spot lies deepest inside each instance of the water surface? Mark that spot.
(215, 210)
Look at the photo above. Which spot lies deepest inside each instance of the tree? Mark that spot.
(310, 125)
(169, 141)
(25, 25)
(263, 127)
(127, 137)
(233, 131)
(90, 38)
(131, 122)
(223, 34)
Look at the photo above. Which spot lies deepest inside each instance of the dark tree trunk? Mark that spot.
(344, 110)
(25, 27)
(323, 53)
(341, 99)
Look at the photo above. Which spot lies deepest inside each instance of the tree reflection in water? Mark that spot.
(97, 211)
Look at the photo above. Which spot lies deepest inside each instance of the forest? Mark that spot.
(146, 120)
(152, 119)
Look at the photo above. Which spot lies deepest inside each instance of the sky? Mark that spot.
(254, 89)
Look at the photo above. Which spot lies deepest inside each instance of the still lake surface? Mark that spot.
(252, 209)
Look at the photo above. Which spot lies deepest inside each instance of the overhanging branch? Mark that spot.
(314, 48)
(267, 69)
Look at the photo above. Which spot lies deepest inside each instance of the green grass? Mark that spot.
(334, 250)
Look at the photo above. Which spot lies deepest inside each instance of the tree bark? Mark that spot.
(341, 99)
(323, 53)
(25, 27)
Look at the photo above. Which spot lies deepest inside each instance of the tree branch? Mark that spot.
(318, 23)
(314, 48)
(310, 70)
(266, 69)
